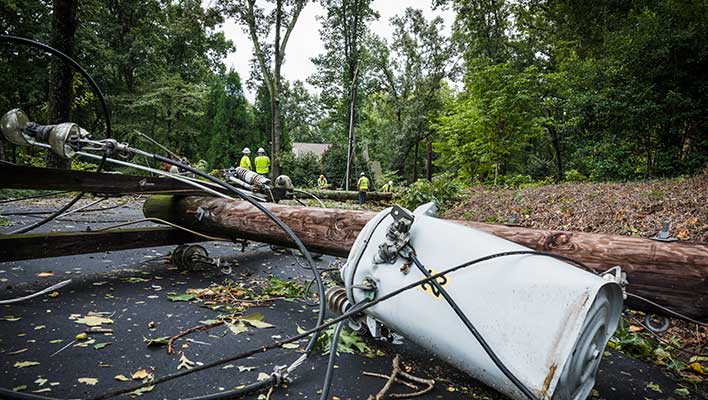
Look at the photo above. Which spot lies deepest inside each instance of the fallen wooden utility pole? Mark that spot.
(671, 274)
(343, 195)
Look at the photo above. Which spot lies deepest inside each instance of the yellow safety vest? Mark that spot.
(363, 184)
(387, 188)
(322, 182)
(246, 162)
(262, 164)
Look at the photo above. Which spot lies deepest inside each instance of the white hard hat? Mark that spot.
(246, 150)
(390, 182)
(362, 174)
(260, 150)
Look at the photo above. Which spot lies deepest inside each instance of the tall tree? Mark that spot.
(259, 24)
(341, 67)
(410, 71)
(61, 90)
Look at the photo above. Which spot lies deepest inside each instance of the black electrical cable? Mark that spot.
(668, 310)
(34, 213)
(236, 393)
(473, 330)
(36, 196)
(59, 211)
(8, 394)
(94, 87)
(76, 65)
(330, 364)
(50, 217)
(301, 246)
(365, 304)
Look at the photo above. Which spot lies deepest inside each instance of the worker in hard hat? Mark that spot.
(262, 162)
(246, 159)
(321, 182)
(387, 188)
(363, 185)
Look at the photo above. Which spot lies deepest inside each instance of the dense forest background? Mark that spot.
(523, 91)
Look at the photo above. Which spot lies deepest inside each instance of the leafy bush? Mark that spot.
(574, 176)
(443, 190)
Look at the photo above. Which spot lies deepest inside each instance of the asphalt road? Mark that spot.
(133, 290)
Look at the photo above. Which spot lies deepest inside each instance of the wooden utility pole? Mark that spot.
(64, 23)
(671, 274)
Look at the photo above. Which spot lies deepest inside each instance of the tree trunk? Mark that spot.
(415, 160)
(557, 149)
(275, 136)
(671, 274)
(276, 132)
(429, 167)
(64, 23)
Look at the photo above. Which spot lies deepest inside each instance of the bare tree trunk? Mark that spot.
(276, 132)
(557, 149)
(415, 160)
(65, 21)
(429, 166)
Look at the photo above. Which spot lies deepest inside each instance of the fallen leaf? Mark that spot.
(10, 318)
(262, 376)
(41, 381)
(140, 374)
(256, 321)
(42, 390)
(86, 343)
(93, 320)
(81, 336)
(55, 341)
(290, 346)
(54, 294)
(18, 351)
(38, 327)
(655, 387)
(121, 378)
(45, 274)
(241, 368)
(683, 392)
(683, 234)
(236, 327)
(184, 362)
(181, 297)
(99, 346)
(227, 366)
(19, 388)
(159, 341)
(23, 364)
(698, 367)
(88, 381)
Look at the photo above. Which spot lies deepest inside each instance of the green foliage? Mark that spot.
(229, 123)
(282, 288)
(443, 190)
(303, 170)
(636, 345)
(349, 342)
(575, 176)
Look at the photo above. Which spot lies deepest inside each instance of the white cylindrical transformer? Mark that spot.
(547, 321)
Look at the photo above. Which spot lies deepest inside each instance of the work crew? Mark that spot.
(321, 182)
(246, 159)
(387, 188)
(363, 185)
(262, 162)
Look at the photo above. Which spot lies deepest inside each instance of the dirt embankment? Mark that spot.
(634, 209)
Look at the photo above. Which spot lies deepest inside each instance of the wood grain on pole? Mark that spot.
(673, 274)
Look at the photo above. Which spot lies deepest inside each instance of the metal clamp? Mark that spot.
(397, 236)
(616, 275)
